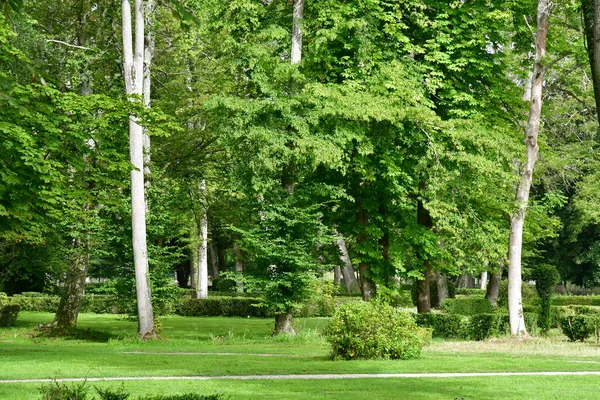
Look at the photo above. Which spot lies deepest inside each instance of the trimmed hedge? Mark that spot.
(576, 300)
(471, 292)
(467, 306)
(221, 306)
(475, 327)
(9, 315)
(450, 326)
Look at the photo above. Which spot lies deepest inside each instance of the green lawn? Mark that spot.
(113, 350)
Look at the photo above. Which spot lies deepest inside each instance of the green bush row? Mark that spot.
(474, 327)
(90, 303)
(9, 314)
(467, 306)
(470, 292)
(576, 300)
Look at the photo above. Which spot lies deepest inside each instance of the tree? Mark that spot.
(515, 306)
(133, 73)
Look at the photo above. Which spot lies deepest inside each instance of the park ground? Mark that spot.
(192, 349)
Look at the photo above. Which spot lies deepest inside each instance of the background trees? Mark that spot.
(398, 129)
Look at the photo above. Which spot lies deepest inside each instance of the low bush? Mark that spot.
(9, 315)
(374, 330)
(483, 326)
(471, 292)
(467, 306)
(222, 306)
(528, 294)
(576, 301)
(35, 303)
(449, 326)
(579, 327)
(63, 391)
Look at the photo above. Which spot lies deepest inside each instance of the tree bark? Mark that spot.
(347, 270)
(239, 266)
(202, 276)
(337, 275)
(367, 285)
(465, 281)
(483, 281)
(149, 46)
(74, 288)
(493, 288)
(423, 295)
(298, 15)
(133, 73)
(517, 221)
(214, 264)
(283, 324)
(591, 25)
(442, 287)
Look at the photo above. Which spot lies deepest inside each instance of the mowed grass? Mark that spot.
(107, 346)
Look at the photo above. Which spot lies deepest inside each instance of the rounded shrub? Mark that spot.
(578, 327)
(374, 330)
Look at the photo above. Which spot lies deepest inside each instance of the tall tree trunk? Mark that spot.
(337, 275)
(298, 15)
(483, 281)
(202, 259)
(133, 73)
(591, 25)
(493, 288)
(423, 295)
(74, 288)
(442, 287)
(149, 46)
(465, 281)
(367, 285)
(515, 305)
(239, 265)
(214, 264)
(221, 257)
(347, 270)
(283, 322)
(194, 271)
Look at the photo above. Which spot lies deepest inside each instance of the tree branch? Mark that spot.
(67, 44)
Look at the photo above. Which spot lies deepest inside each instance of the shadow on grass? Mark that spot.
(71, 333)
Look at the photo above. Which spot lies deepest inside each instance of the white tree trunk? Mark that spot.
(483, 280)
(149, 46)
(517, 221)
(202, 250)
(298, 14)
(133, 74)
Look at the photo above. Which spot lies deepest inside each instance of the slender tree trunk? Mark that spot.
(239, 265)
(298, 15)
(493, 288)
(465, 281)
(149, 47)
(194, 272)
(74, 288)
(347, 270)
(337, 275)
(214, 264)
(442, 287)
(423, 295)
(221, 257)
(515, 305)
(133, 72)
(367, 286)
(591, 25)
(283, 322)
(202, 276)
(483, 281)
